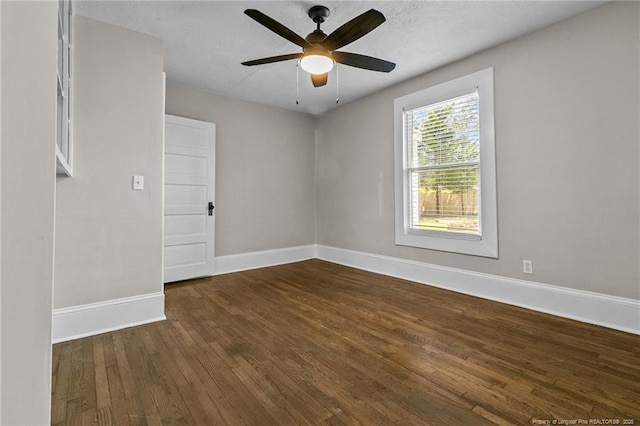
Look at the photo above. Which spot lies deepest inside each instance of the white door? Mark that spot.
(188, 198)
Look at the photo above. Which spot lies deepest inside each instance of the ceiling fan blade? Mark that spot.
(362, 61)
(277, 27)
(353, 30)
(273, 59)
(319, 79)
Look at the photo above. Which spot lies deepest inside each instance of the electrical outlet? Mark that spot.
(527, 266)
(138, 183)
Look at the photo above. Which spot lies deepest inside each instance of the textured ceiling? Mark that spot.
(204, 42)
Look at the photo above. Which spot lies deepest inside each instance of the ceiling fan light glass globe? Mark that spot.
(316, 63)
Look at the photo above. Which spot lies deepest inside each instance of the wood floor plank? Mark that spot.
(60, 390)
(116, 393)
(103, 397)
(319, 343)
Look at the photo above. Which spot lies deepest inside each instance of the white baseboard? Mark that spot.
(261, 259)
(594, 308)
(96, 318)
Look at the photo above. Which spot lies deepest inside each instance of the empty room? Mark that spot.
(347, 212)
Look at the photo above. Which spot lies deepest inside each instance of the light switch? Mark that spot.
(138, 183)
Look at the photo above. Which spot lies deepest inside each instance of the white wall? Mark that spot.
(265, 187)
(567, 141)
(108, 237)
(27, 192)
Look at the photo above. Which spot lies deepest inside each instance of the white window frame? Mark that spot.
(486, 243)
(64, 139)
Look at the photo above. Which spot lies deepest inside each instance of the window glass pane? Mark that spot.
(64, 145)
(59, 122)
(60, 61)
(444, 133)
(445, 199)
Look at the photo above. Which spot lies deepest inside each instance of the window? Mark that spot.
(64, 152)
(445, 167)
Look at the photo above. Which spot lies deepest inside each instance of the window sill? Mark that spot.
(476, 246)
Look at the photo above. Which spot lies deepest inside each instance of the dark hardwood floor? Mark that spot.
(318, 343)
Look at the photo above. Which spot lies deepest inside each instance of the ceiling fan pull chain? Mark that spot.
(337, 85)
(298, 82)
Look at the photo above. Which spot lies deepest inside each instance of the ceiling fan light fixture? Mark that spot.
(316, 62)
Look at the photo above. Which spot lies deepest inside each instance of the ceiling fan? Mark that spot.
(319, 51)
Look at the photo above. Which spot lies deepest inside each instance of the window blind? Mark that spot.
(443, 157)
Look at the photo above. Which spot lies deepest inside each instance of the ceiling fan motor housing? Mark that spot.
(316, 37)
